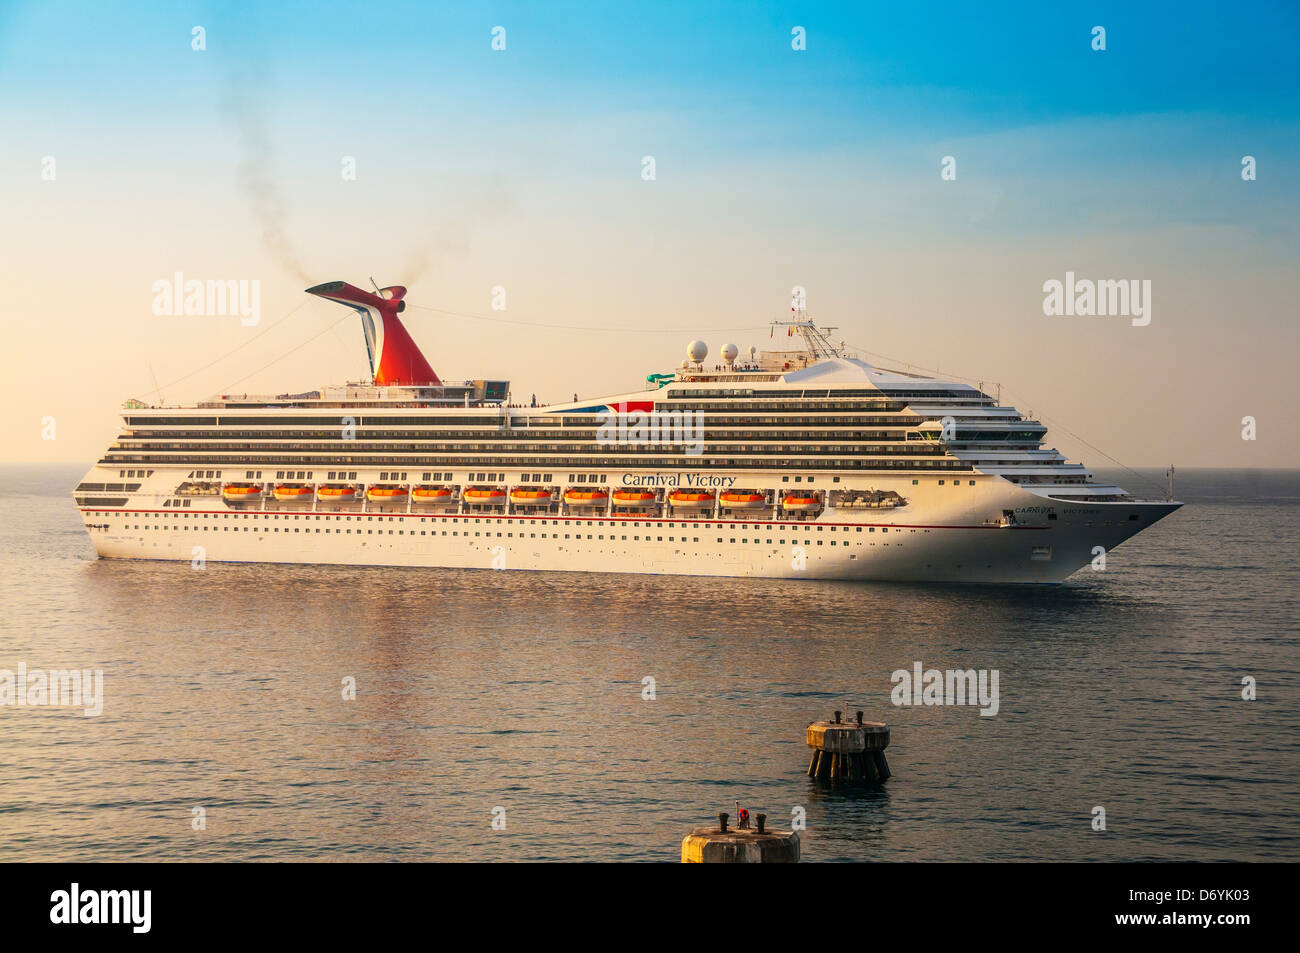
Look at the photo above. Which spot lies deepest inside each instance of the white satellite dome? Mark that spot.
(730, 352)
(697, 351)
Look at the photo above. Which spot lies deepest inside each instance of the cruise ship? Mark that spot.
(798, 463)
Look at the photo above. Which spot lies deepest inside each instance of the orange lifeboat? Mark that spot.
(289, 493)
(530, 495)
(336, 494)
(586, 497)
(431, 494)
(241, 492)
(688, 498)
(799, 503)
(743, 500)
(386, 494)
(633, 497)
(485, 494)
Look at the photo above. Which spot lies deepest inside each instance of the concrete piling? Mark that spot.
(844, 752)
(725, 845)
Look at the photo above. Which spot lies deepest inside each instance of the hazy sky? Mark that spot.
(129, 156)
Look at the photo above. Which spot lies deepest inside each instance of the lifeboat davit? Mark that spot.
(799, 503)
(688, 498)
(292, 494)
(241, 492)
(431, 494)
(336, 494)
(386, 494)
(530, 496)
(633, 497)
(743, 500)
(586, 497)
(485, 494)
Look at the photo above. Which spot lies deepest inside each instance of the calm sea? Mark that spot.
(479, 690)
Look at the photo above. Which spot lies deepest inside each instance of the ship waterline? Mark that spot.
(802, 464)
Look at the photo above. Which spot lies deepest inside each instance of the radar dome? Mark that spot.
(697, 351)
(730, 353)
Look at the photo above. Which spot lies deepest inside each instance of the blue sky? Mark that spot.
(818, 168)
(1001, 63)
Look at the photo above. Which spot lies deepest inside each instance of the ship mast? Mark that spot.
(816, 340)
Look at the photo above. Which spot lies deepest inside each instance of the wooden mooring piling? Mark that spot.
(848, 751)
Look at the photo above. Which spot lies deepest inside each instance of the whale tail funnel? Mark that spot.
(394, 356)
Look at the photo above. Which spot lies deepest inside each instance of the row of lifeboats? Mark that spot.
(333, 493)
(683, 499)
(521, 496)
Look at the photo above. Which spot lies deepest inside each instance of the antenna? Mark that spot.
(375, 283)
(157, 390)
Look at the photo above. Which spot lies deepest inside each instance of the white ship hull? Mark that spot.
(945, 533)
